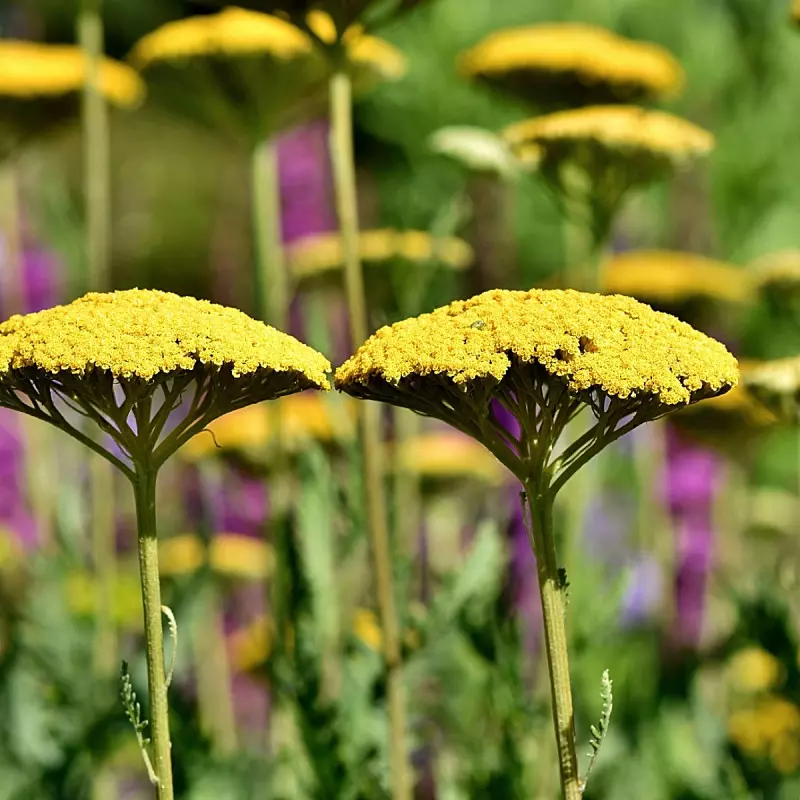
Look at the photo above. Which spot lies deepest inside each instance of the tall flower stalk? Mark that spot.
(544, 356)
(344, 176)
(151, 370)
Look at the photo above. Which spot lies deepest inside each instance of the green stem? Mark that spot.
(214, 677)
(553, 595)
(145, 495)
(270, 279)
(104, 554)
(343, 163)
(96, 180)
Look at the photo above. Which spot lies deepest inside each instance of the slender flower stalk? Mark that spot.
(544, 356)
(344, 175)
(151, 370)
(96, 186)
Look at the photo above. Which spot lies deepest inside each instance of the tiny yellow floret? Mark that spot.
(142, 333)
(611, 343)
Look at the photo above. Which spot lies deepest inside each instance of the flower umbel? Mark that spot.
(150, 368)
(612, 149)
(543, 354)
(572, 64)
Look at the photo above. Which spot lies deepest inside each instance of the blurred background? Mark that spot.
(680, 542)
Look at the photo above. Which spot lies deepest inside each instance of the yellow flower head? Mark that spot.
(303, 418)
(769, 729)
(779, 271)
(753, 670)
(82, 593)
(321, 253)
(628, 130)
(666, 277)
(29, 70)
(229, 555)
(557, 349)
(231, 32)
(572, 64)
(118, 354)
(264, 73)
(596, 155)
(142, 333)
(448, 455)
(776, 384)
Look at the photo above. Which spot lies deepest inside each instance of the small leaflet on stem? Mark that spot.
(133, 711)
(600, 730)
(173, 632)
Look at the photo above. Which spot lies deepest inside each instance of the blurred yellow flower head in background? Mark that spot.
(665, 276)
(625, 129)
(303, 418)
(776, 384)
(448, 455)
(575, 60)
(612, 343)
(229, 555)
(30, 70)
(144, 333)
(237, 31)
(233, 31)
(779, 270)
(321, 253)
(753, 670)
(768, 728)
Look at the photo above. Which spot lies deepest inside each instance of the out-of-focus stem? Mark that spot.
(406, 484)
(343, 162)
(97, 200)
(271, 279)
(553, 591)
(214, 678)
(145, 495)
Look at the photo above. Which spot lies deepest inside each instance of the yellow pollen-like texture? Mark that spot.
(30, 70)
(142, 333)
(611, 343)
(595, 55)
(615, 127)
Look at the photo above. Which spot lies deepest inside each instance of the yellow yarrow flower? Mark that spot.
(448, 455)
(572, 64)
(779, 271)
(613, 129)
(233, 31)
(229, 555)
(29, 70)
(81, 593)
(663, 276)
(593, 341)
(128, 360)
(769, 728)
(559, 350)
(753, 670)
(776, 384)
(303, 418)
(141, 333)
(320, 253)
(263, 73)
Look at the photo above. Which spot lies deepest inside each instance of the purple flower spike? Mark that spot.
(693, 474)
